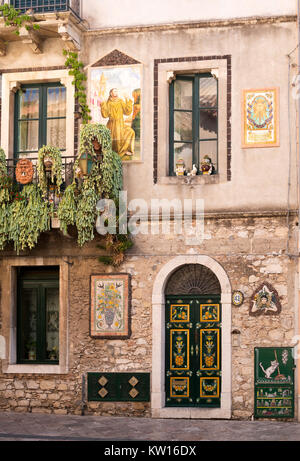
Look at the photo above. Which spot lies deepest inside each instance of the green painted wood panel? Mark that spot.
(118, 387)
(193, 351)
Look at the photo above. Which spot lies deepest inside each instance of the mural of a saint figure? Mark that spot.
(123, 136)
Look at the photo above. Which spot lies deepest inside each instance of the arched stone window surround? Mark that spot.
(158, 342)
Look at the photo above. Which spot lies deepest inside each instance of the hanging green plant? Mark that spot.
(49, 157)
(86, 213)
(29, 216)
(3, 167)
(5, 199)
(5, 215)
(67, 208)
(110, 172)
(76, 70)
(92, 131)
(111, 175)
(6, 189)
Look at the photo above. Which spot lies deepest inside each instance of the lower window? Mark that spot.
(38, 315)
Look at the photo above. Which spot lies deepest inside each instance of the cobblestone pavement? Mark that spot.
(44, 427)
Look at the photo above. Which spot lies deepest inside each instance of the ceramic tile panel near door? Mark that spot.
(193, 351)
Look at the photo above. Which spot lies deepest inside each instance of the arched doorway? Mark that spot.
(191, 365)
(193, 316)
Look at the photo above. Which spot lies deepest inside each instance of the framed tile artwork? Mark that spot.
(260, 118)
(110, 306)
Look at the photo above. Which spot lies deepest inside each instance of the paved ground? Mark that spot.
(42, 427)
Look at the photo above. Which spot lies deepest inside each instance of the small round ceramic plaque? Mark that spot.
(237, 298)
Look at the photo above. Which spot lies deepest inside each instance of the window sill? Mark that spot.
(35, 369)
(189, 180)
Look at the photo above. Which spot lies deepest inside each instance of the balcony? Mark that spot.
(55, 18)
(52, 193)
(46, 6)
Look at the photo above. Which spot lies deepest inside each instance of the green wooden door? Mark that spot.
(193, 351)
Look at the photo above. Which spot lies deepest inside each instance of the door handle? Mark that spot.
(192, 350)
(197, 349)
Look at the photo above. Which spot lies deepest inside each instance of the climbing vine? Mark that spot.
(76, 70)
(13, 17)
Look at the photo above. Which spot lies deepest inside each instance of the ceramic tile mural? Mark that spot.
(115, 101)
(260, 110)
(110, 306)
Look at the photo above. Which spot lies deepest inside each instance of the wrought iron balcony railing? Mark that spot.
(45, 6)
(53, 194)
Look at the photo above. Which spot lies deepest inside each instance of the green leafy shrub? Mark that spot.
(29, 216)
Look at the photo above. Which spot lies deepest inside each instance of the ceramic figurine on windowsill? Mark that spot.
(180, 167)
(206, 165)
(193, 171)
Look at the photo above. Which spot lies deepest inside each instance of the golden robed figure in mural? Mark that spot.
(122, 136)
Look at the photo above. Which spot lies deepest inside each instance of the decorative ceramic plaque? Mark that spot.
(237, 298)
(265, 301)
(274, 382)
(260, 110)
(110, 306)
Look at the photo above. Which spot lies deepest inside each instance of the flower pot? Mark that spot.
(109, 315)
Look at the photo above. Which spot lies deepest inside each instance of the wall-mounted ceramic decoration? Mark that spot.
(265, 301)
(24, 171)
(237, 298)
(110, 306)
(260, 117)
(116, 101)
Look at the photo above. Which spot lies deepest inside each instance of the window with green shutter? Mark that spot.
(40, 118)
(193, 128)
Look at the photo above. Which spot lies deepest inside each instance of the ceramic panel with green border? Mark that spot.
(273, 382)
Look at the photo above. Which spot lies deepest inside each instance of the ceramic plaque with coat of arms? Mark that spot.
(260, 109)
(110, 306)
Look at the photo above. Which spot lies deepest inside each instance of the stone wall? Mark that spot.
(251, 251)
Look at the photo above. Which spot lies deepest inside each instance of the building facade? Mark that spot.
(209, 313)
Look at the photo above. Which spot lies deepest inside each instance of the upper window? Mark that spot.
(38, 315)
(193, 122)
(40, 118)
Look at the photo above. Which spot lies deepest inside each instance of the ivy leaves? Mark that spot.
(13, 17)
(76, 70)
